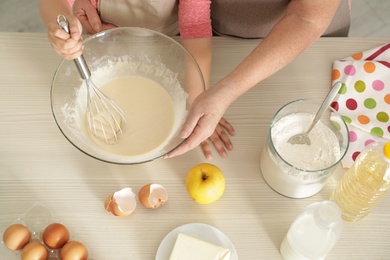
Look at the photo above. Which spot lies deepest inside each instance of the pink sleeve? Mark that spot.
(93, 2)
(194, 19)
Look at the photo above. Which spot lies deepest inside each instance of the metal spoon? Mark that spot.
(303, 138)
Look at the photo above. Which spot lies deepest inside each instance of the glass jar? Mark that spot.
(300, 171)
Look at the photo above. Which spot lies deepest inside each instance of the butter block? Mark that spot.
(190, 248)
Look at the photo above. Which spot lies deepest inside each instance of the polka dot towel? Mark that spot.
(364, 98)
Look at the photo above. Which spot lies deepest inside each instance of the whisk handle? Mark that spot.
(81, 65)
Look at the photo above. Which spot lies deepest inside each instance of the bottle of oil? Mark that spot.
(365, 183)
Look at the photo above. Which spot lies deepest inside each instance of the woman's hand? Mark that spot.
(205, 121)
(88, 15)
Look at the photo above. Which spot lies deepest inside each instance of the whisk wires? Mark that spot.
(105, 118)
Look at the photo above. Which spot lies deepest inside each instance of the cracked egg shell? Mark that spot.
(121, 203)
(153, 195)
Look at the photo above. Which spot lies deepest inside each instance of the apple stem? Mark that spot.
(204, 176)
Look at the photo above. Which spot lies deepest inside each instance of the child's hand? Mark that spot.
(69, 46)
(88, 15)
(220, 139)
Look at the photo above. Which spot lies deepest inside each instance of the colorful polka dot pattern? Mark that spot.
(364, 98)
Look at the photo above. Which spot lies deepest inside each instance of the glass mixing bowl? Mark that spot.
(122, 52)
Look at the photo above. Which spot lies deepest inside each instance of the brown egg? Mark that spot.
(153, 195)
(74, 250)
(34, 251)
(16, 236)
(55, 235)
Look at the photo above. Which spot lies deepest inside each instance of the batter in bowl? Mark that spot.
(149, 112)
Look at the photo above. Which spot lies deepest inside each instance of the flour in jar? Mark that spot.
(323, 151)
(299, 170)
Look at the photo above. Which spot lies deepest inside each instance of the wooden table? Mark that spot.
(37, 164)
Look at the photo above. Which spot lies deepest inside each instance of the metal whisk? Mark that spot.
(105, 119)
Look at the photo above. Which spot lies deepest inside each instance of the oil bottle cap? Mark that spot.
(386, 150)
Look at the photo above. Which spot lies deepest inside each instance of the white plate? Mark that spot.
(200, 231)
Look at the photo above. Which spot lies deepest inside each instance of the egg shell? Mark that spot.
(121, 203)
(33, 251)
(153, 195)
(112, 207)
(16, 236)
(55, 235)
(74, 250)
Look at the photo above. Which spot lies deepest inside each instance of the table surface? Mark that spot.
(37, 164)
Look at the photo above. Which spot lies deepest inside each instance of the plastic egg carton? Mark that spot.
(36, 219)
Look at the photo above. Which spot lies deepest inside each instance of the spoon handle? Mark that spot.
(326, 103)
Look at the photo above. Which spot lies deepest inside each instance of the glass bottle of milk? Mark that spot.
(313, 233)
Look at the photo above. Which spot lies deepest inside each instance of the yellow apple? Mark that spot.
(205, 183)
